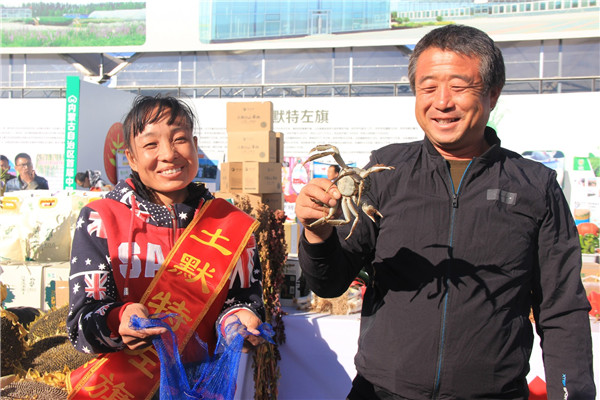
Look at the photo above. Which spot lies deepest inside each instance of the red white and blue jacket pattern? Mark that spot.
(134, 244)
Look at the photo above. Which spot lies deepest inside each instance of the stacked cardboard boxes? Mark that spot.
(254, 154)
(36, 284)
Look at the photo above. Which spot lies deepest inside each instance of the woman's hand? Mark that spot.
(251, 322)
(132, 338)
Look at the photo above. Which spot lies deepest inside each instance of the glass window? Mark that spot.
(551, 58)
(379, 64)
(522, 59)
(293, 66)
(188, 65)
(581, 57)
(42, 70)
(12, 69)
(151, 69)
(229, 68)
(341, 65)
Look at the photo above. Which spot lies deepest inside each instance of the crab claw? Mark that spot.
(370, 211)
(323, 147)
(320, 151)
(323, 150)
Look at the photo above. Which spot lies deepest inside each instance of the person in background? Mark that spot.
(27, 179)
(5, 175)
(473, 236)
(333, 172)
(92, 180)
(159, 243)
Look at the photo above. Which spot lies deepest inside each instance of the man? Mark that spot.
(27, 179)
(92, 180)
(472, 238)
(333, 172)
(5, 175)
(4, 164)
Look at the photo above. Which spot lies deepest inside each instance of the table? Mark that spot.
(317, 360)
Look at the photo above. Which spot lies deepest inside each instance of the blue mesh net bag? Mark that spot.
(208, 376)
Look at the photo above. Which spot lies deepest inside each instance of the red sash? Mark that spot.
(191, 278)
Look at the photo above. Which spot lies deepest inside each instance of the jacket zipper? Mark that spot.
(171, 209)
(438, 374)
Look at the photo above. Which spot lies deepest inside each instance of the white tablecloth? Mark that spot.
(317, 360)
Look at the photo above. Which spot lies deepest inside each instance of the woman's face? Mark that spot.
(166, 158)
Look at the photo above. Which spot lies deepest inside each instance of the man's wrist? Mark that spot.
(318, 235)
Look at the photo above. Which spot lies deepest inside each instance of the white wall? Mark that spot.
(99, 109)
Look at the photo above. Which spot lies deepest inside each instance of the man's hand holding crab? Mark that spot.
(346, 190)
(315, 200)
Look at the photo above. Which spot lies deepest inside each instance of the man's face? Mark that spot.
(451, 105)
(4, 166)
(84, 183)
(331, 173)
(24, 167)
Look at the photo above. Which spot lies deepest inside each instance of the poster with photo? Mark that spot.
(550, 158)
(74, 24)
(295, 175)
(585, 189)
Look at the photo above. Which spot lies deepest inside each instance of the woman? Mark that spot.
(157, 243)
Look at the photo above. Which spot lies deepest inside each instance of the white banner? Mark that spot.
(564, 122)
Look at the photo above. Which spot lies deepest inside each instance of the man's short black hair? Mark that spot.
(80, 177)
(22, 155)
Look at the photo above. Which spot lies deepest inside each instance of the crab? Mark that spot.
(351, 184)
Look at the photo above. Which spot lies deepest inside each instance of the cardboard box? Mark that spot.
(252, 146)
(232, 177)
(62, 293)
(273, 200)
(590, 276)
(293, 232)
(251, 177)
(56, 285)
(590, 271)
(291, 282)
(250, 116)
(38, 285)
(24, 284)
(259, 177)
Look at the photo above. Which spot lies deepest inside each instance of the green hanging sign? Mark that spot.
(71, 132)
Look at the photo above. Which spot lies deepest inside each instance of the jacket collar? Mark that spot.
(490, 137)
(124, 190)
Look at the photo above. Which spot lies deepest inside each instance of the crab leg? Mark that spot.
(361, 185)
(355, 212)
(348, 208)
(376, 168)
(327, 218)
